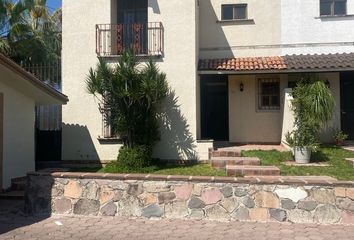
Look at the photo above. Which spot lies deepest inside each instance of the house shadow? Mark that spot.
(77, 143)
(319, 156)
(36, 206)
(153, 4)
(177, 142)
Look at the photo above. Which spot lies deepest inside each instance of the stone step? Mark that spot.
(225, 153)
(18, 184)
(252, 171)
(221, 162)
(13, 195)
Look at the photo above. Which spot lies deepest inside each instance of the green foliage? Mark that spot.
(313, 106)
(133, 95)
(188, 170)
(136, 158)
(304, 136)
(339, 135)
(28, 31)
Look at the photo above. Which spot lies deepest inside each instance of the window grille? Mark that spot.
(268, 94)
(108, 130)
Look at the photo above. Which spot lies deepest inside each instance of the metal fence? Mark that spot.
(49, 72)
(142, 38)
(48, 118)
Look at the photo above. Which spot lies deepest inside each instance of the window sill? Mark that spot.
(143, 56)
(324, 17)
(237, 21)
(113, 140)
(205, 141)
(268, 110)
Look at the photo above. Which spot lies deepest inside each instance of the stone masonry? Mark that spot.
(183, 198)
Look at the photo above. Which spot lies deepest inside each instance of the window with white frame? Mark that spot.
(333, 7)
(233, 11)
(268, 93)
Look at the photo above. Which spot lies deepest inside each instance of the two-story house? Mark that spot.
(230, 64)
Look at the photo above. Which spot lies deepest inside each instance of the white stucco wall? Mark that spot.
(280, 27)
(18, 145)
(247, 123)
(301, 24)
(82, 121)
(287, 115)
(192, 32)
(229, 39)
(180, 20)
(250, 125)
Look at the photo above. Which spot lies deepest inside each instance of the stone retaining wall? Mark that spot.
(283, 200)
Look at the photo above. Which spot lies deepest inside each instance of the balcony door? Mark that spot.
(133, 16)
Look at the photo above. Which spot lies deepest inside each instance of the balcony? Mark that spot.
(145, 39)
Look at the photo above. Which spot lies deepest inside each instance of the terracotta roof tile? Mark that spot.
(288, 62)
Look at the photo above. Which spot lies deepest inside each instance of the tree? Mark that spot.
(132, 93)
(28, 30)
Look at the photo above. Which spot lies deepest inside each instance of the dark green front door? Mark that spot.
(214, 107)
(347, 103)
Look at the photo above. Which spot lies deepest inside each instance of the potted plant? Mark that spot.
(303, 141)
(339, 137)
(313, 107)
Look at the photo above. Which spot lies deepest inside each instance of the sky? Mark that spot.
(54, 4)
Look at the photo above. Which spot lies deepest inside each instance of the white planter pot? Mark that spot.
(302, 154)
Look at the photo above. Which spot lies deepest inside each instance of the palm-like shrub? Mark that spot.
(313, 107)
(132, 92)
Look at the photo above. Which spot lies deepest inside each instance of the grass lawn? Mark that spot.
(190, 170)
(339, 168)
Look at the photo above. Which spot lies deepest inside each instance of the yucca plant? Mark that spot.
(133, 93)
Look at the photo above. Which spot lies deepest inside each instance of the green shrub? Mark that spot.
(134, 158)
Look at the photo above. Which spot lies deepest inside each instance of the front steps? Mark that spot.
(222, 162)
(238, 166)
(17, 190)
(246, 171)
(224, 153)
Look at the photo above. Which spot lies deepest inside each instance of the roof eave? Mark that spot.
(273, 71)
(33, 80)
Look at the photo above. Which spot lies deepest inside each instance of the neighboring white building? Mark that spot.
(20, 93)
(226, 61)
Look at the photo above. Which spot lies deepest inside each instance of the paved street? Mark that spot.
(13, 225)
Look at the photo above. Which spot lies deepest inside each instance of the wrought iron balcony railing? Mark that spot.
(143, 38)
